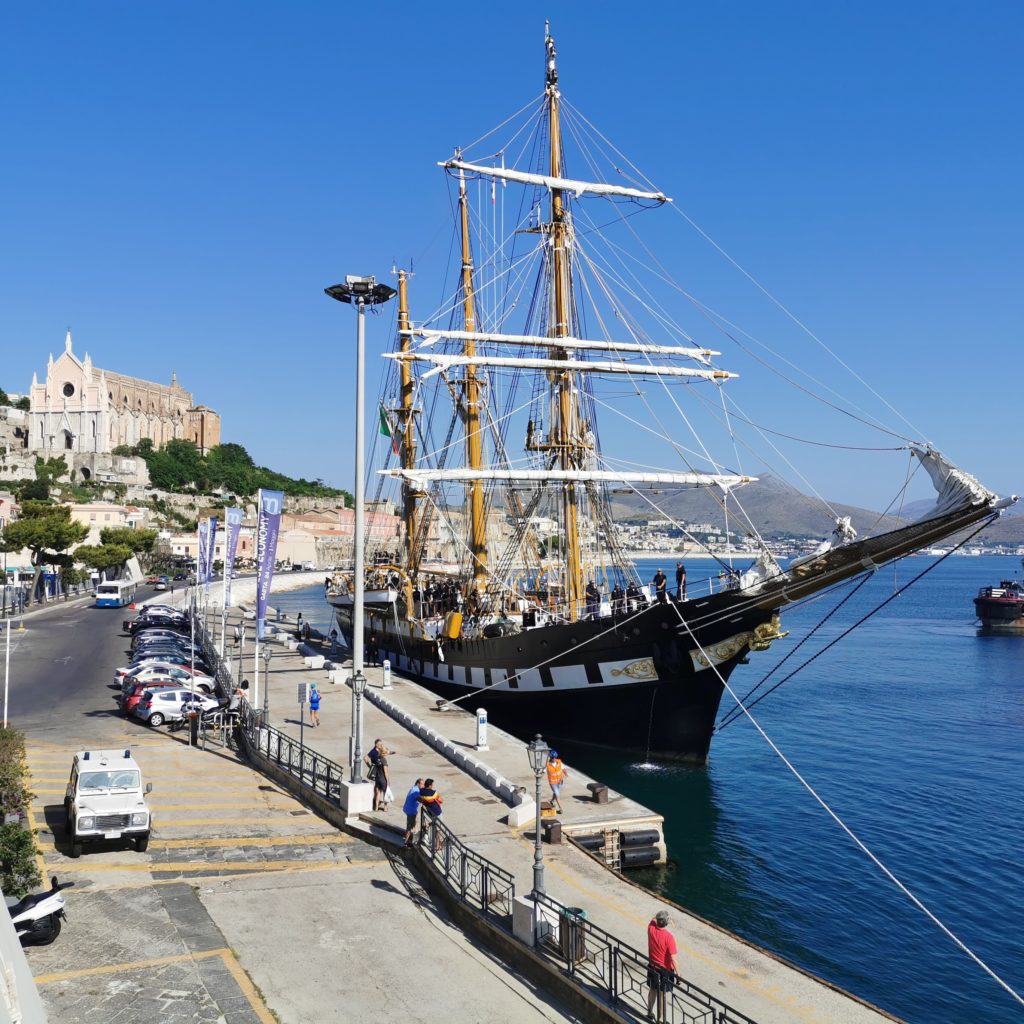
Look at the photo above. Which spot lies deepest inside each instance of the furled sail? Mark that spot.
(443, 362)
(954, 488)
(603, 476)
(578, 188)
(431, 337)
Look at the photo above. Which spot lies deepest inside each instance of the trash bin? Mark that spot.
(193, 728)
(572, 934)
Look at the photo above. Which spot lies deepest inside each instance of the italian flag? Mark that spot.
(385, 428)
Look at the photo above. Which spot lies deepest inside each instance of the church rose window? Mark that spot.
(69, 389)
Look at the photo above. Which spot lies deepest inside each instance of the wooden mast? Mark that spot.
(561, 327)
(407, 427)
(471, 396)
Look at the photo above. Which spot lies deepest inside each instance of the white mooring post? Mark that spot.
(481, 729)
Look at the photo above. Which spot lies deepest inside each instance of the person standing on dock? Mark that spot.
(314, 703)
(680, 581)
(662, 966)
(411, 807)
(556, 777)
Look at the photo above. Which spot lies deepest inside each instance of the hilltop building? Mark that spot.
(82, 409)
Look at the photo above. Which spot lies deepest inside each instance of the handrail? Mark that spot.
(609, 967)
(594, 959)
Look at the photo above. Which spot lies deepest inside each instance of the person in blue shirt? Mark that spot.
(411, 809)
(314, 704)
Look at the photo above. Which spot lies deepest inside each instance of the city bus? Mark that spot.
(115, 593)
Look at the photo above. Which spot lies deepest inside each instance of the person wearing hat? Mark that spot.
(662, 965)
(556, 777)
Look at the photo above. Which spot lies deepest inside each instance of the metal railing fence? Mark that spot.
(595, 959)
(611, 968)
(474, 879)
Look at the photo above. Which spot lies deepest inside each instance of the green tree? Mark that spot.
(140, 542)
(47, 531)
(23, 404)
(49, 471)
(102, 557)
(4, 397)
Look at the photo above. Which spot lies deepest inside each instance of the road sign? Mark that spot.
(303, 692)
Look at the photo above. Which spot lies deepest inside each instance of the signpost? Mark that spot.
(303, 689)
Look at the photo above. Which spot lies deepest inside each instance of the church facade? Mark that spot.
(82, 409)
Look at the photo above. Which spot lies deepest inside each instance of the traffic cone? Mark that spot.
(132, 606)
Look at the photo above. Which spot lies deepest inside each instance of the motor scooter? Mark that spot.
(37, 917)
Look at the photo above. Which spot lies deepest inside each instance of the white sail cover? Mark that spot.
(442, 362)
(954, 488)
(432, 337)
(603, 476)
(579, 188)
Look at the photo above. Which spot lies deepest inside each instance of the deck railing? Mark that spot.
(594, 959)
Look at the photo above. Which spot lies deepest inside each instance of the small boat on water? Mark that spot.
(551, 377)
(1001, 608)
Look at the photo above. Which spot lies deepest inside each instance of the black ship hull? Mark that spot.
(642, 683)
(1000, 614)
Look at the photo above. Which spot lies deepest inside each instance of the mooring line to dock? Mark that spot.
(846, 828)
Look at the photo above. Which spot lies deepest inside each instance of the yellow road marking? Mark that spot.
(230, 962)
(248, 988)
(256, 805)
(191, 865)
(138, 965)
(216, 841)
(40, 862)
(179, 844)
(341, 865)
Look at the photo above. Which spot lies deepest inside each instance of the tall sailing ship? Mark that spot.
(511, 412)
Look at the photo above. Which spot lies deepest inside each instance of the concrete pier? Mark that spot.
(485, 805)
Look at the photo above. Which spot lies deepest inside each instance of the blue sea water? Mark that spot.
(912, 730)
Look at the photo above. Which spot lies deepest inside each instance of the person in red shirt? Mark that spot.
(662, 966)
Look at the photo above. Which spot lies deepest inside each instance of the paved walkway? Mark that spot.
(745, 977)
(246, 908)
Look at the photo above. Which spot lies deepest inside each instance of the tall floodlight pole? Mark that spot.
(359, 292)
(7, 663)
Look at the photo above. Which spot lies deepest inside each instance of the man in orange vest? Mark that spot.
(556, 776)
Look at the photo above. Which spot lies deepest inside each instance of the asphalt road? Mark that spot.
(62, 668)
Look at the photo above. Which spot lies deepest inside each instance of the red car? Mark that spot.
(134, 695)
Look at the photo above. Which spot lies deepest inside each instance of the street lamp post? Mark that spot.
(359, 292)
(267, 655)
(538, 752)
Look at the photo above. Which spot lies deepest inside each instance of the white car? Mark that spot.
(166, 670)
(105, 799)
(159, 706)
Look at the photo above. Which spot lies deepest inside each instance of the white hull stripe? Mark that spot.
(564, 677)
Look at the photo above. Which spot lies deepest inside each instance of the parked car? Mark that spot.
(161, 658)
(178, 674)
(129, 701)
(159, 706)
(179, 576)
(106, 799)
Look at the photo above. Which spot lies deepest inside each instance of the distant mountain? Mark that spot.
(781, 511)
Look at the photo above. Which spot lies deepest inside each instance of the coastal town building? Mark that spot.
(80, 409)
(101, 515)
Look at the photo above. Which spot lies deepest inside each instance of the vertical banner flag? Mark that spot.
(234, 520)
(204, 544)
(211, 544)
(267, 524)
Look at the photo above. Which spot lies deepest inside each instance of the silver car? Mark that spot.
(159, 706)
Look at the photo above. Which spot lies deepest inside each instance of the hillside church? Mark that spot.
(82, 409)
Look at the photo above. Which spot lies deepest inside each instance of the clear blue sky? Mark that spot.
(181, 180)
